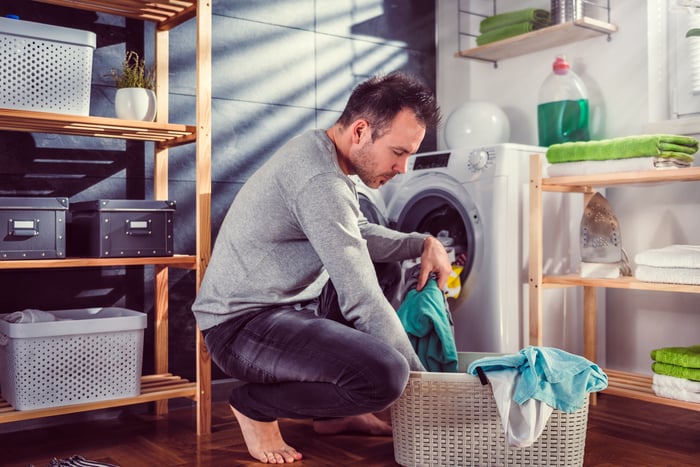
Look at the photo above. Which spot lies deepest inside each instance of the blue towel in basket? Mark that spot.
(553, 376)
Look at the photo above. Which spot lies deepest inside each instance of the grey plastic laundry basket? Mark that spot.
(451, 419)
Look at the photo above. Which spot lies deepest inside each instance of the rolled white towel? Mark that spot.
(672, 256)
(29, 316)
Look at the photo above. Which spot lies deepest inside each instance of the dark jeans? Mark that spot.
(305, 363)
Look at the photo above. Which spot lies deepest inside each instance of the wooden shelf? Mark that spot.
(153, 388)
(631, 283)
(167, 134)
(636, 386)
(583, 183)
(541, 39)
(176, 261)
(619, 383)
(166, 13)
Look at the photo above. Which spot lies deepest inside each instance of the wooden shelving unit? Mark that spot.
(619, 383)
(165, 14)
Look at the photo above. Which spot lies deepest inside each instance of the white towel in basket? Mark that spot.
(522, 423)
(28, 316)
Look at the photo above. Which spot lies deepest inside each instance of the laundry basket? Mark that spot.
(451, 419)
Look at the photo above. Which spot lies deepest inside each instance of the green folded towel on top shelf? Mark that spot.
(528, 15)
(506, 31)
(675, 370)
(688, 357)
(665, 146)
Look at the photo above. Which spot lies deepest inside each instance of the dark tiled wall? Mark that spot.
(279, 68)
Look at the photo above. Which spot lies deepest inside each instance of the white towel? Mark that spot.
(671, 256)
(631, 164)
(685, 276)
(28, 316)
(522, 423)
(673, 382)
(676, 388)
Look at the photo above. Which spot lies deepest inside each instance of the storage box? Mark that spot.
(90, 354)
(45, 68)
(121, 228)
(33, 228)
(452, 419)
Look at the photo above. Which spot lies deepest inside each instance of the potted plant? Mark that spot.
(135, 98)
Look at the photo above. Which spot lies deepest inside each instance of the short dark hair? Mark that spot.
(381, 98)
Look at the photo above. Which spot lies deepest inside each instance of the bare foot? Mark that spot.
(264, 441)
(365, 423)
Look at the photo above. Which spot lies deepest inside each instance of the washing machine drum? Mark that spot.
(445, 218)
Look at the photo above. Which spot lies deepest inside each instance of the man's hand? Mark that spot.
(434, 259)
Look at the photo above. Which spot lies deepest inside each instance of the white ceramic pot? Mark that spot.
(135, 104)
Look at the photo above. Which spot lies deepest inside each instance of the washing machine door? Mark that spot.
(435, 203)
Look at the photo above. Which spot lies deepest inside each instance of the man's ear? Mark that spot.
(359, 128)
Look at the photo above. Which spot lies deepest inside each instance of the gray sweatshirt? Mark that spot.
(295, 223)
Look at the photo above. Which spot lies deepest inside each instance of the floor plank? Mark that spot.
(621, 432)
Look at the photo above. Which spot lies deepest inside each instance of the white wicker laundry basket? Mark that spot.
(451, 419)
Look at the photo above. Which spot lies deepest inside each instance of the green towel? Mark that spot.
(507, 31)
(680, 147)
(675, 370)
(688, 357)
(425, 318)
(528, 15)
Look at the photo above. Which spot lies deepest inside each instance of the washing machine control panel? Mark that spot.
(480, 159)
(431, 161)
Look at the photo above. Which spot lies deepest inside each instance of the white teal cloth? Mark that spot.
(553, 376)
(529, 385)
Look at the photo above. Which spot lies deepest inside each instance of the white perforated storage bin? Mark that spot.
(89, 354)
(45, 68)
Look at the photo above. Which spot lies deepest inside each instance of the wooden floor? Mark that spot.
(621, 432)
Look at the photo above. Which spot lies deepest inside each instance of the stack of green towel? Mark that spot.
(680, 362)
(505, 25)
(677, 147)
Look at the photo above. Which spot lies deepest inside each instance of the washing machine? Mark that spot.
(476, 201)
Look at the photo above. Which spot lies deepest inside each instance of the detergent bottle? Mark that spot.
(562, 109)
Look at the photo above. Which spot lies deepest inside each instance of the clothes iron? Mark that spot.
(601, 242)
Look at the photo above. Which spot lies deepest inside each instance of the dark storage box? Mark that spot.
(33, 228)
(111, 228)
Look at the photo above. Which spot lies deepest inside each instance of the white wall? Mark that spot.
(616, 73)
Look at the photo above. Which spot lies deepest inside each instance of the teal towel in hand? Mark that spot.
(668, 146)
(675, 370)
(553, 376)
(528, 15)
(425, 318)
(687, 357)
(507, 31)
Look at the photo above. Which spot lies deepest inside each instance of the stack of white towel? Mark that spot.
(673, 264)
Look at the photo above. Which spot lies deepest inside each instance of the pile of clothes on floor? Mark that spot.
(625, 154)
(673, 264)
(504, 25)
(677, 373)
